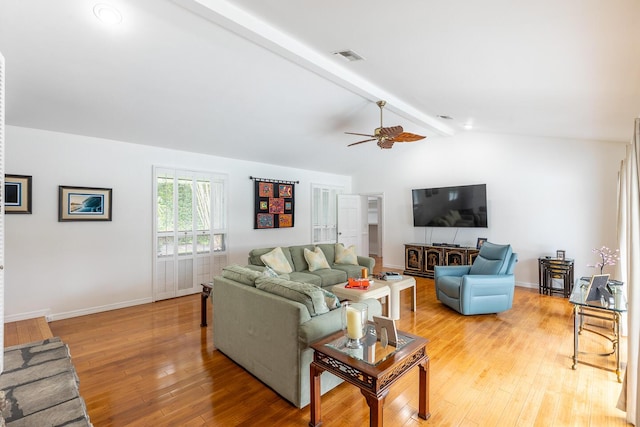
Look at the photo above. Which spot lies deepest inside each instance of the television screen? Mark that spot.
(460, 206)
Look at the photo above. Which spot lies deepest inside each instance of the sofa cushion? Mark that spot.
(329, 250)
(297, 257)
(310, 296)
(255, 254)
(241, 274)
(346, 255)
(277, 261)
(330, 276)
(315, 259)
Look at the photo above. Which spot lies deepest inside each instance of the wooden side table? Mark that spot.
(374, 377)
(206, 291)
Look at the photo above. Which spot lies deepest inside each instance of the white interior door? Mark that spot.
(352, 224)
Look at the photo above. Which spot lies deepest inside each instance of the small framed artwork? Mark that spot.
(386, 327)
(84, 204)
(17, 194)
(480, 242)
(597, 287)
(560, 254)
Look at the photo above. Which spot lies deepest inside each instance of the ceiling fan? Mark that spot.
(386, 137)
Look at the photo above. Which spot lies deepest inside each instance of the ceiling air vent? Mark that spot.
(349, 55)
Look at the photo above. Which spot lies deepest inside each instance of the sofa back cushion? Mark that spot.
(316, 259)
(329, 250)
(317, 300)
(346, 255)
(277, 260)
(297, 257)
(255, 254)
(492, 259)
(241, 274)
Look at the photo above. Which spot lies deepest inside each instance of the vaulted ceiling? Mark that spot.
(259, 80)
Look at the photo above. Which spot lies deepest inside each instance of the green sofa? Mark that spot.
(269, 334)
(338, 273)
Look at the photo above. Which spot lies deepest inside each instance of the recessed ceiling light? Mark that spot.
(468, 126)
(107, 14)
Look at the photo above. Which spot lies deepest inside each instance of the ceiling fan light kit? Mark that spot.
(385, 137)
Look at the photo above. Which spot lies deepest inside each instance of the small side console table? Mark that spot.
(601, 310)
(555, 268)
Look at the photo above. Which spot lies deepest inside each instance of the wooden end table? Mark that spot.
(206, 291)
(373, 372)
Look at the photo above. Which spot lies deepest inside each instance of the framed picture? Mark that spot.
(560, 254)
(84, 204)
(17, 194)
(597, 287)
(480, 242)
(389, 325)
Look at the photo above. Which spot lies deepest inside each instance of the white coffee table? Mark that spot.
(399, 285)
(378, 289)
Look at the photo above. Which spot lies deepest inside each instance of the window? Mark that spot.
(323, 213)
(190, 227)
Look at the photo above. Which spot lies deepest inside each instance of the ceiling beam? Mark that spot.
(238, 21)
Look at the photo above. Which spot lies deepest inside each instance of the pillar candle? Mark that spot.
(354, 323)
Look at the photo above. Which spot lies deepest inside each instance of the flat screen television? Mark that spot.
(459, 206)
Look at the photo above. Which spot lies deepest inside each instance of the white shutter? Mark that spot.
(2, 211)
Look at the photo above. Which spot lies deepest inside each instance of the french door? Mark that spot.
(190, 230)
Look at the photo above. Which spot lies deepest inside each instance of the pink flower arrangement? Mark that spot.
(607, 257)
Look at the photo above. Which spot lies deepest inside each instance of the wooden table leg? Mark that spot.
(206, 291)
(314, 404)
(376, 405)
(423, 396)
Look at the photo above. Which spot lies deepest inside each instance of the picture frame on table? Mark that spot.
(560, 254)
(481, 241)
(17, 194)
(597, 287)
(84, 203)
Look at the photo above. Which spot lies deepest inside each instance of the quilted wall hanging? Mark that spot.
(274, 203)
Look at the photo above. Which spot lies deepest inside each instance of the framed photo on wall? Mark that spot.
(84, 204)
(17, 194)
(560, 254)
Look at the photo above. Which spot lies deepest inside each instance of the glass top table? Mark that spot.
(372, 368)
(605, 307)
(371, 351)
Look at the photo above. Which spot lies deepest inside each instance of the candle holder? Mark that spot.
(354, 320)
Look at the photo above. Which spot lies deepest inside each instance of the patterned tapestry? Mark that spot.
(274, 203)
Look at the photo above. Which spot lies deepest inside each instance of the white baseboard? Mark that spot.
(98, 309)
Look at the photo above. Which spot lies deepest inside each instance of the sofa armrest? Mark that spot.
(450, 270)
(365, 261)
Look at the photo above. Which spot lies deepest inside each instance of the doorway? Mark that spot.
(375, 223)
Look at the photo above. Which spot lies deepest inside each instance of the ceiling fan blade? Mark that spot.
(360, 134)
(391, 132)
(385, 143)
(408, 137)
(360, 142)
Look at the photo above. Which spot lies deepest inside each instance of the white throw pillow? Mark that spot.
(346, 255)
(315, 259)
(277, 261)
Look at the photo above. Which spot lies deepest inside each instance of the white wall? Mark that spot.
(65, 269)
(543, 194)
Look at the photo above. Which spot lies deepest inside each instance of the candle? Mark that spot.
(365, 272)
(354, 323)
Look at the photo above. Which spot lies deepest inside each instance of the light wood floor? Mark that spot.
(154, 365)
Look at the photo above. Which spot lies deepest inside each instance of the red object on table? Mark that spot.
(357, 283)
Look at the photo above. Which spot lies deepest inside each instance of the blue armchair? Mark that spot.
(484, 287)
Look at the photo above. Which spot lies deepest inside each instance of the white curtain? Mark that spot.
(629, 240)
